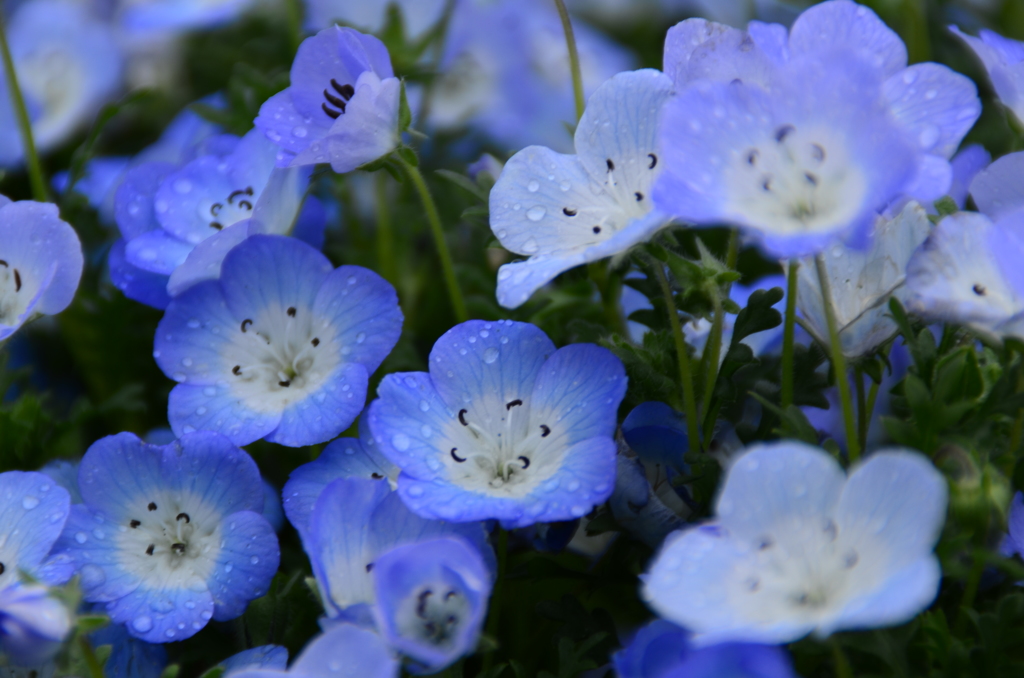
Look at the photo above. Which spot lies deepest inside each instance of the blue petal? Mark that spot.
(363, 309)
(657, 433)
(697, 48)
(967, 164)
(162, 615)
(134, 198)
(846, 25)
(279, 120)
(160, 16)
(157, 252)
(37, 241)
(87, 541)
(34, 624)
(119, 472)
(248, 559)
(129, 658)
(1015, 522)
(208, 466)
(327, 412)
(33, 510)
(205, 259)
(938, 105)
(194, 336)
(262, 657)
(268, 272)
(215, 408)
(737, 660)
(656, 649)
(997, 189)
(136, 284)
(364, 652)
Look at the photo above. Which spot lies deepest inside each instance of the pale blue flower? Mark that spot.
(342, 106)
(170, 537)
(797, 547)
(32, 624)
(503, 426)
(68, 65)
(431, 600)
(281, 347)
(356, 520)
(566, 210)
(418, 16)
(343, 651)
(1003, 59)
(145, 17)
(862, 283)
(40, 263)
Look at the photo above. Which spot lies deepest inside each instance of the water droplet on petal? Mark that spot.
(533, 187)
(400, 441)
(142, 624)
(536, 213)
(29, 503)
(490, 355)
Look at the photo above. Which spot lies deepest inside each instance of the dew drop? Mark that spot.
(424, 406)
(490, 355)
(400, 441)
(361, 337)
(536, 213)
(142, 624)
(300, 132)
(533, 187)
(254, 560)
(530, 246)
(30, 502)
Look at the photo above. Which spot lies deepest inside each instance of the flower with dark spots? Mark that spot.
(250, 369)
(551, 458)
(167, 578)
(797, 547)
(431, 600)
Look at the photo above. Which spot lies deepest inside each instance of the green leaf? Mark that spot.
(946, 206)
(171, 671)
(215, 672)
(408, 156)
(89, 623)
(759, 315)
(404, 112)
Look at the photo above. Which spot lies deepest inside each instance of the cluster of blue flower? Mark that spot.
(818, 142)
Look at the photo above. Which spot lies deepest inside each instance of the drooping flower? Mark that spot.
(824, 129)
(567, 210)
(797, 547)
(342, 106)
(33, 510)
(342, 458)
(40, 263)
(170, 537)
(280, 347)
(343, 552)
(663, 650)
(505, 72)
(68, 65)
(178, 223)
(968, 272)
(431, 600)
(502, 426)
(343, 651)
(862, 282)
(146, 17)
(1003, 59)
(262, 657)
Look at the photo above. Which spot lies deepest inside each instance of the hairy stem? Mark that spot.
(454, 293)
(838, 361)
(574, 58)
(385, 233)
(35, 168)
(685, 370)
(788, 335)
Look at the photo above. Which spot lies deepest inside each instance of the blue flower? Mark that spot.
(797, 547)
(343, 651)
(281, 347)
(32, 624)
(639, 507)
(152, 16)
(342, 458)
(663, 650)
(342, 106)
(344, 551)
(129, 657)
(33, 510)
(1013, 542)
(170, 537)
(567, 210)
(968, 272)
(862, 282)
(505, 72)
(178, 223)
(68, 65)
(40, 263)
(503, 426)
(263, 657)
(431, 600)
(418, 16)
(835, 127)
(1003, 59)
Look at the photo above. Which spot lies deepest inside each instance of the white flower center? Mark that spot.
(14, 295)
(432, 615)
(170, 541)
(798, 180)
(282, 356)
(510, 456)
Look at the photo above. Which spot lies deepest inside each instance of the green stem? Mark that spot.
(868, 411)
(493, 613)
(843, 668)
(91, 661)
(574, 58)
(685, 371)
(788, 335)
(458, 303)
(970, 591)
(293, 10)
(838, 360)
(35, 168)
(385, 233)
(862, 416)
(713, 349)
